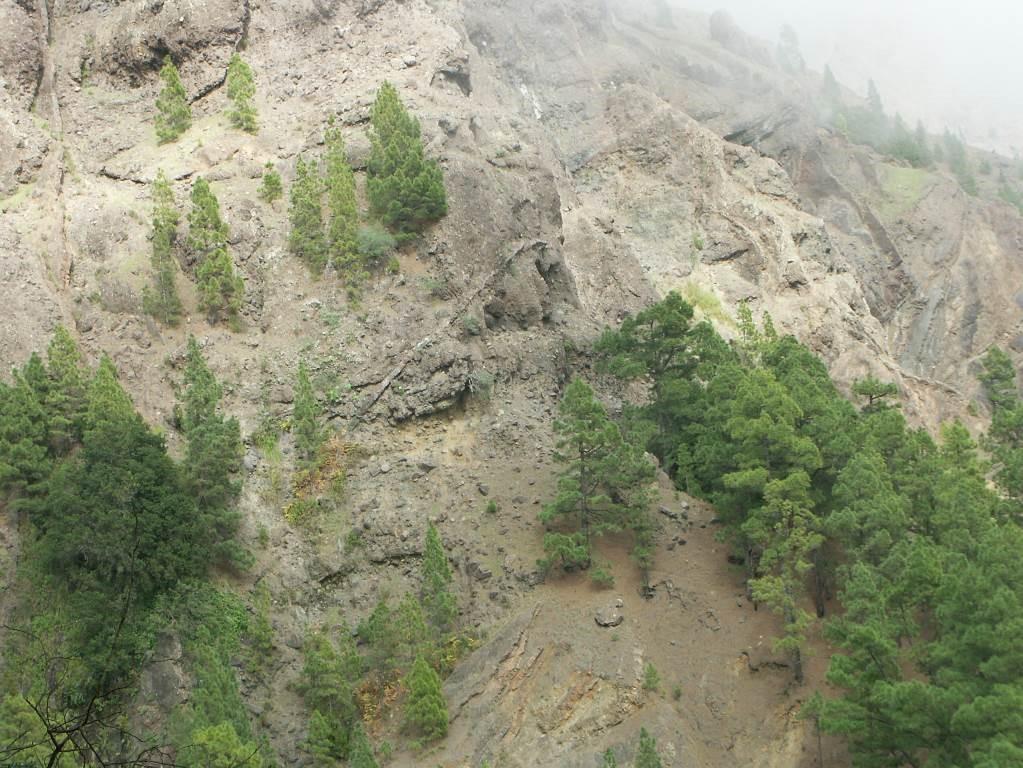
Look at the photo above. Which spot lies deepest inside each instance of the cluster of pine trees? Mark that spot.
(174, 111)
(870, 125)
(820, 498)
(114, 530)
(408, 644)
(405, 190)
(221, 289)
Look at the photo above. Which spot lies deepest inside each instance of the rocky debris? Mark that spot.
(436, 379)
(21, 58)
(762, 657)
(610, 615)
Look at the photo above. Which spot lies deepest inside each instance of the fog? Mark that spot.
(954, 64)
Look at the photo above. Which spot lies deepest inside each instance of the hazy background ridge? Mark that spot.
(951, 64)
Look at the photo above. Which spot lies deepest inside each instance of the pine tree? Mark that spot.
(207, 232)
(174, 115)
(875, 391)
(321, 741)
(646, 754)
(426, 712)
(435, 591)
(213, 457)
(360, 754)
(271, 189)
(344, 216)
(785, 530)
(305, 419)
(24, 437)
(306, 239)
(220, 289)
(405, 189)
(241, 89)
(219, 746)
(412, 637)
(830, 89)
(327, 685)
(65, 395)
(874, 98)
(161, 299)
(608, 760)
(107, 404)
(604, 486)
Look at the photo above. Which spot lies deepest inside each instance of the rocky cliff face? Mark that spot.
(587, 175)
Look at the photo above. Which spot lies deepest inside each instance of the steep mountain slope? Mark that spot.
(586, 175)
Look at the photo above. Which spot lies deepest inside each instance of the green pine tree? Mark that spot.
(426, 712)
(306, 239)
(161, 299)
(321, 741)
(174, 115)
(327, 685)
(271, 188)
(785, 530)
(604, 485)
(241, 89)
(305, 419)
(220, 289)
(435, 591)
(646, 754)
(219, 746)
(207, 232)
(608, 760)
(214, 456)
(360, 755)
(65, 395)
(343, 247)
(405, 189)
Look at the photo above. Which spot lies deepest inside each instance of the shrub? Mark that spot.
(375, 243)
(651, 677)
(271, 189)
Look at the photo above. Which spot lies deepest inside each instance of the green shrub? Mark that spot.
(271, 189)
(601, 576)
(375, 243)
(651, 678)
(472, 325)
(491, 508)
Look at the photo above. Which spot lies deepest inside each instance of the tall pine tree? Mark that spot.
(241, 89)
(220, 289)
(174, 115)
(435, 591)
(161, 299)
(344, 216)
(405, 189)
(426, 712)
(305, 213)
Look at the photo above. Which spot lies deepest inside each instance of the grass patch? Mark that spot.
(901, 188)
(12, 202)
(706, 303)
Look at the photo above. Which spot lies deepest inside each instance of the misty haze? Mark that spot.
(953, 64)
